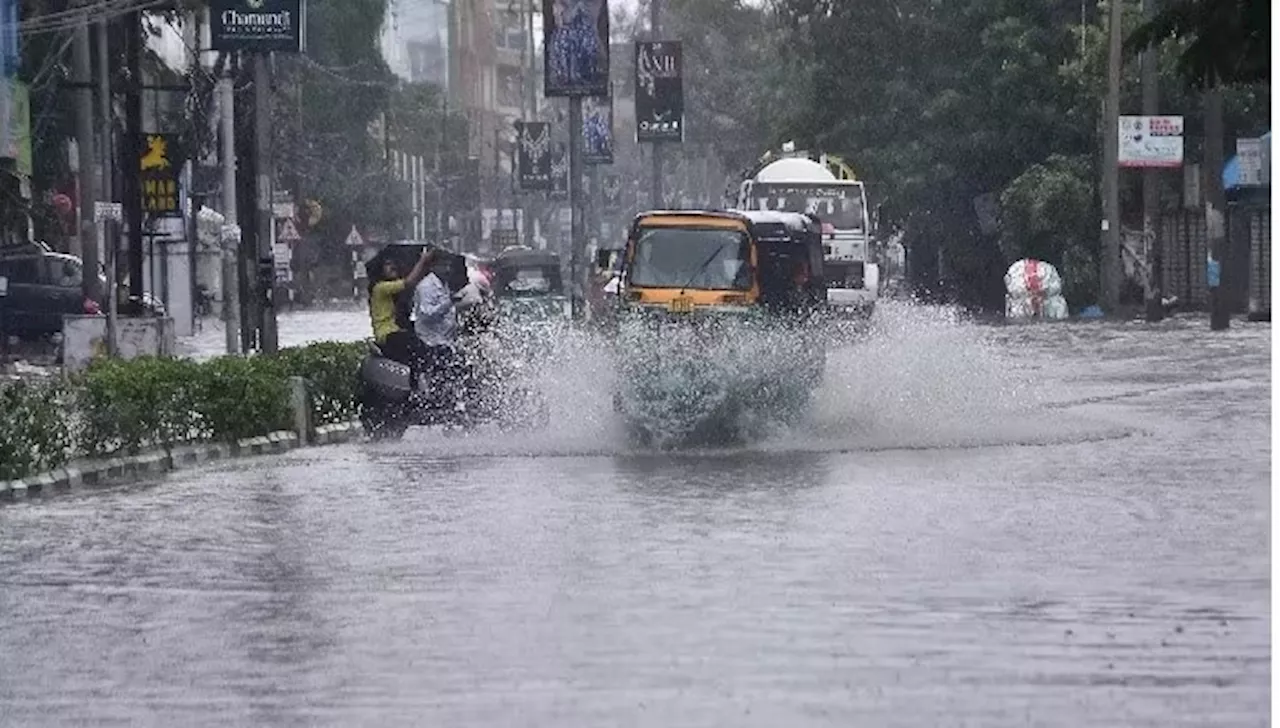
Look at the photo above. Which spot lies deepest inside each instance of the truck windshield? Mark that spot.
(703, 259)
(839, 205)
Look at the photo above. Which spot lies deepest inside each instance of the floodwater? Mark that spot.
(1058, 525)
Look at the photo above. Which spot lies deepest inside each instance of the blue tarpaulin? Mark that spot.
(1231, 170)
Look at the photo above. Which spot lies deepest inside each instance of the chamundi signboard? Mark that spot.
(261, 26)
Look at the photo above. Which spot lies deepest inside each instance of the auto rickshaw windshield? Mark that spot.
(696, 258)
(527, 280)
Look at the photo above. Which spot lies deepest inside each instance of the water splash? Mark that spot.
(918, 377)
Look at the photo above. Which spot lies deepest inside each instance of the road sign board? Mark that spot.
(353, 238)
(108, 211)
(281, 210)
(1253, 157)
(288, 232)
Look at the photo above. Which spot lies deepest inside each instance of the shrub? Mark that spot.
(331, 370)
(34, 434)
(240, 397)
(127, 406)
(144, 402)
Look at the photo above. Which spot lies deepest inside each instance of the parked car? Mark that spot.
(44, 286)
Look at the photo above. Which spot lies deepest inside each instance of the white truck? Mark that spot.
(827, 187)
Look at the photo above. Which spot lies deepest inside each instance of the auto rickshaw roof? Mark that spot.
(793, 221)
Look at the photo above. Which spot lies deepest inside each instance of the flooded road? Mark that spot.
(1063, 525)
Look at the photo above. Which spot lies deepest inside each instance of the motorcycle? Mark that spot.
(482, 388)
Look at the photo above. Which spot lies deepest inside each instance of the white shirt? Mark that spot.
(435, 320)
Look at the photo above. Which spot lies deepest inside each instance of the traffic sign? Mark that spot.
(288, 231)
(353, 238)
(108, 211)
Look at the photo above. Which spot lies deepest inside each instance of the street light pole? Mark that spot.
(1151, 185)
(655, 183)
(576, 241)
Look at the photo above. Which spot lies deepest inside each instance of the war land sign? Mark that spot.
(160, 196)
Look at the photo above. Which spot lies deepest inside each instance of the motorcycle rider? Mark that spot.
(397, 343)
(436, 326)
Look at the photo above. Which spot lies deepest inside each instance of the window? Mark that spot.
(65, 272)
(705, 259)
(840, 206)
(528, 280)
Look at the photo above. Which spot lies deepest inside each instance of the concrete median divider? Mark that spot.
(169, 414)
(152, 464)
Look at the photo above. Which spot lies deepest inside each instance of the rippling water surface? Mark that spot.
(1054, 525)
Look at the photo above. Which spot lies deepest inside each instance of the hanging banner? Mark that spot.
(259, 26)
(533, 149)
(10, 58)
(597, 130)
(160, 174)
(560, 171)
(15, 124)
(575, 47)
(611, 187)
(659, 92)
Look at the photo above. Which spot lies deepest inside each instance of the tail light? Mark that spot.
(91, 307)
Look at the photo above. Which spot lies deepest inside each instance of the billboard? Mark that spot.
(560, 171)
(659, 92)
(260, 26)
(10, 60)
(597, 130)
(1150, 141)
(161, 171)
(611, 187)
(575, 47)
(15, 124)
(533, 149)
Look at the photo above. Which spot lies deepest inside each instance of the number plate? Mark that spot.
(681, 304)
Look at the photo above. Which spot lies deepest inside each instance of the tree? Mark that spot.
(1224, 43)
(339, 112)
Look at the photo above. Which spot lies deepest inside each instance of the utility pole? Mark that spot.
(1215, 207)
(576, 241)
(131, 158)
(88, 160)
(499, 210)
(442, 188)
(246, 211)
(1151, 184)
(655, 17)
(268, 338)
(1110, 262)
(230, 229)
(530, 93)
(111, 241)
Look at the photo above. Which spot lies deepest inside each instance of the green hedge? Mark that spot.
(126, 406)
(329, 368)
(35, 434)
